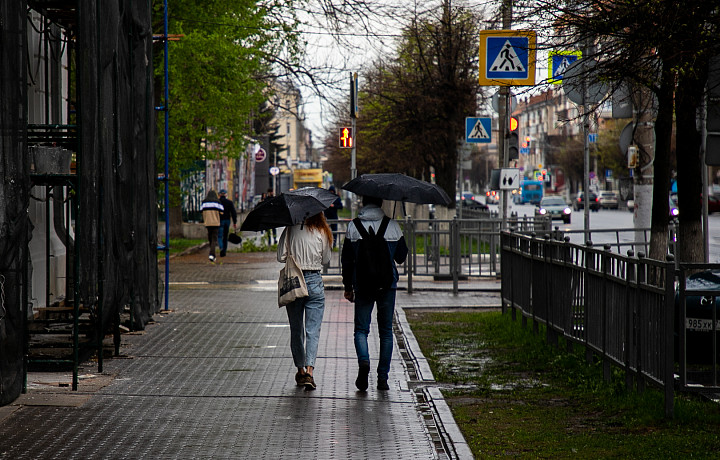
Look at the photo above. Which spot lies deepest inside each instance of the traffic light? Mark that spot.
(513, 151)
(346, 138)
(527, 142)
(513, 124)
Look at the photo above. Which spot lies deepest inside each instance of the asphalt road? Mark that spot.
(612, 219)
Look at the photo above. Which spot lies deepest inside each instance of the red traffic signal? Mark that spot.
(513, 124)
(346, 138)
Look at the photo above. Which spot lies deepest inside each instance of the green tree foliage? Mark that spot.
(220, 68)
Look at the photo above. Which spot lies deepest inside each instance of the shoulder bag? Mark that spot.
(291, 284)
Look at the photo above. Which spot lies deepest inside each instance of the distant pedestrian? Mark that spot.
(211, 209)
(271, 233)
(309, 243)
(225, 217)
(331, 213)
(367, 289)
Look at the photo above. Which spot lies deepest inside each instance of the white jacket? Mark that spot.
(310, 248)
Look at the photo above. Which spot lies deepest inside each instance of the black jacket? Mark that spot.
(229, 210)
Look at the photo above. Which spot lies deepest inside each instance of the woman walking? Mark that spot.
(211, 209)
(310, 244)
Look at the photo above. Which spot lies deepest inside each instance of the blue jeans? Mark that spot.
(223, 233)
(304, 338)
(363, 314)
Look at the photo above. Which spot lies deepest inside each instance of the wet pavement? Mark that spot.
(212, 377)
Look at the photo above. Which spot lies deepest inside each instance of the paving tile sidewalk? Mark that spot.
(213, 378)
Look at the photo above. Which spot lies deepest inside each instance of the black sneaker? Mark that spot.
(361, 382)
(300, 379)
(383, 385)
(309, 382)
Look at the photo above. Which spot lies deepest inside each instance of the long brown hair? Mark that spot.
(319, 224)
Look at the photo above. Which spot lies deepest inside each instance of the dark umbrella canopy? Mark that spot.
(289, 208)
(398, 187)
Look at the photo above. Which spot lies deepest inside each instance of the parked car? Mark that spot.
(608, 200)
(471, 202)
(713, 204)
(555, 207)
(492, 197)
(579, 202)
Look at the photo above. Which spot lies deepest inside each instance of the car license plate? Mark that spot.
(700, 324)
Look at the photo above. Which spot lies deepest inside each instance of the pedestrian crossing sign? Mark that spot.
(507, 57)
(478, 130)
(558, 62)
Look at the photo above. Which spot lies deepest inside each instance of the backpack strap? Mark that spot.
(364, 233)
(360, 228)
(383, 226)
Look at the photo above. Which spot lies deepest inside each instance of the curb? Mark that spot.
(450, 439)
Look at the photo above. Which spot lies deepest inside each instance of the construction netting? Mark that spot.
(117, 219)
(14, 193)
(115, 226)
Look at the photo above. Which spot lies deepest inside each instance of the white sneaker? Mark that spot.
(212, 258)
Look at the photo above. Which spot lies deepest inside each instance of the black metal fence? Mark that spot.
(623, 309)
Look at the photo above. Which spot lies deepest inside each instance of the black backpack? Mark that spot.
(373, 265)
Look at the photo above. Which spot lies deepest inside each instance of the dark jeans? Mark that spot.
(363, 314)
(223, 232)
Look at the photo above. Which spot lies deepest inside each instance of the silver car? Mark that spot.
(608, 200)
(554, 206)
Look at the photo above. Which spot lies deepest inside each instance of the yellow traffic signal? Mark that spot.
(346, 138)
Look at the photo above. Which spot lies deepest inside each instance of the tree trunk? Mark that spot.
(688, 98)
(176, 221)
(661, 185)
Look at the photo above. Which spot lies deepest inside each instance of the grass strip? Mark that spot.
(513, 395)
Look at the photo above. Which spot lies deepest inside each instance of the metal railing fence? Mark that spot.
(447, 249)
(620, 308)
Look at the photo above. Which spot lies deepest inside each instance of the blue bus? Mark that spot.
(531, 191)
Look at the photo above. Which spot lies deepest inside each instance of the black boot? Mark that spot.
(362, 379)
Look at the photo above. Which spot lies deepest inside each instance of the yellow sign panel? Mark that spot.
(308, 177)
(507, 57)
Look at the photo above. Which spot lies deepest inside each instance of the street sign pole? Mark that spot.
(586, 154)
(353, 117)
(504, 118)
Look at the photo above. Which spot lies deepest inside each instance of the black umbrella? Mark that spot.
(398, 187)
(289, 208)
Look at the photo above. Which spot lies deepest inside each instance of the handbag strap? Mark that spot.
(287, 241)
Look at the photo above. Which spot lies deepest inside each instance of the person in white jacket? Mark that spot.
(310, 243)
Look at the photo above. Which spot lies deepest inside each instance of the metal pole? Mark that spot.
(586, 151)
(704, 168)
(353, 152)
(167, 155)
(503, 119)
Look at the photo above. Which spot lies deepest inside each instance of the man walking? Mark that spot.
(228, 213)
(371, 278)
